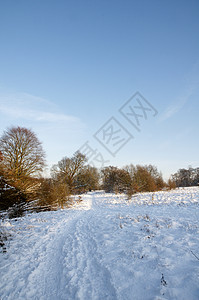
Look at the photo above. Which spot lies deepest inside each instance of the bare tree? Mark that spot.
(145, 178)
(87, 179)
(68, 168)
(22, 156)
(186, 177)
(115, 180)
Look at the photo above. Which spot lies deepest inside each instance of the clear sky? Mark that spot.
(67, 67)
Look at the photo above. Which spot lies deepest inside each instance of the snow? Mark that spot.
(106, 247)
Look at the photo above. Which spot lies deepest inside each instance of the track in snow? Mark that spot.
(111, 250)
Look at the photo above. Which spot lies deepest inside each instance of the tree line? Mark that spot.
(186, 177)
(22, 161)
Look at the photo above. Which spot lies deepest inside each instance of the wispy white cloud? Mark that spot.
(171, 111)
(179, 104)
(35, 115)
(28, 107)
(60, 132)
(191, 85)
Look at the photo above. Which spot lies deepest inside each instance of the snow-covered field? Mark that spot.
(105, 248)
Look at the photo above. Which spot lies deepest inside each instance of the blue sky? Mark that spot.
(67, 67)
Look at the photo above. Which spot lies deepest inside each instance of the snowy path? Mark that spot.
(108, 249)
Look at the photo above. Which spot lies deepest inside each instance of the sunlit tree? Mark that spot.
(22, 157)
(67, 169)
